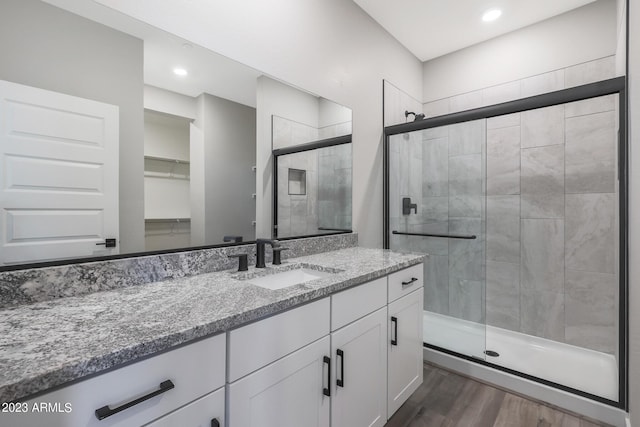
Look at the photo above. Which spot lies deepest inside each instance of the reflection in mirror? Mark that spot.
(313, 188)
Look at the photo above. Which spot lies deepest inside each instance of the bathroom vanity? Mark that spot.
(214, 349)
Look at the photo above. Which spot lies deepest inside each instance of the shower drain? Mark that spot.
(491, 353)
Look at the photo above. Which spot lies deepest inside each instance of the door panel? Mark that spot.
(361, 401)
(59, 186)
(286, 393)
(405, 356)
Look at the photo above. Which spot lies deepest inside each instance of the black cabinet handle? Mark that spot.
(340, 382)
(106, 412)
(215, 423)
(413, 279)
(394, 320)
(326, 391)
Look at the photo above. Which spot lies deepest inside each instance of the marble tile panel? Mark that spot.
(503, 161)
(465, 101)
(436, 108)
(396, 102)
(503, 228)
(466, 299)
(591, 232)
(501, 93)
(435, 133)
(434, 209)
(430, 245)
(543, 83)
(466, 206)
(542, 254)
(466, 257)
(542, 314)
(503, 295)
(435, 167)
(504, 121)
(591, 106)
(590, 158)
(436, 284)
(542, 126)
(542, 170)
(467, 138)
(590, 72)
(590, 310)
(542, 205)
(465, 175)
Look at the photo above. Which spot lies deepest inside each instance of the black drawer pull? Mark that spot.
(394, 320)
(340, 382)
(215, 423)
(106, 412)
(326, 391)
(413, 279)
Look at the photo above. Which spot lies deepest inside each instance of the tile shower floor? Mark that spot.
(576, 367)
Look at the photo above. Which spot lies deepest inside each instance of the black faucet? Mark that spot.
(260, 250)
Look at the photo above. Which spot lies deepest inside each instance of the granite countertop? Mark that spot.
(47, 344)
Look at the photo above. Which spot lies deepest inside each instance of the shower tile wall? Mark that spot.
(442, 171)
(327, 202)
(551, 223)
(551, 211)
(334, 187)
(298, 213)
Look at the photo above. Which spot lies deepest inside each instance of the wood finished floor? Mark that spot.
(446, 399)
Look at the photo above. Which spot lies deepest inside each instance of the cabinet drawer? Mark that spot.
(204, 412)
(194, 370)
(354, 303)
(258, 344)
(405, 281)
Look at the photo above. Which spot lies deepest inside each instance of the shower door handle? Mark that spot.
(394, 339)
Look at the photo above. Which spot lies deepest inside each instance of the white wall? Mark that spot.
(36, 51)
(170, 102)
(329, 47)
(223, 163)
(578, 36)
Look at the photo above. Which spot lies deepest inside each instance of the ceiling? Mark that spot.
(432, 28)
(208, 71)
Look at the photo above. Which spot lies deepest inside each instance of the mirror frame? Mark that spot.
(314, 145)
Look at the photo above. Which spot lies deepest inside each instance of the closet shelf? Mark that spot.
(167, 159)
(167, 220)
(168, 175)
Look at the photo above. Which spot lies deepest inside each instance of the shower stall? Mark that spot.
(521, 207)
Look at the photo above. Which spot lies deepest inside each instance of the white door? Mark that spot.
(286, 393)
(359, 373)
(405, 348)
(59, 180)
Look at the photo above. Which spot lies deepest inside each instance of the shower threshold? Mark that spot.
(582, 369)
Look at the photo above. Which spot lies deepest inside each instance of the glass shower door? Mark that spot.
(437, 205)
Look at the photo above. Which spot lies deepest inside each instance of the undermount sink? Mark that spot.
(294, 275)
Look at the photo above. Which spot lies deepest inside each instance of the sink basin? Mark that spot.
(294, 275)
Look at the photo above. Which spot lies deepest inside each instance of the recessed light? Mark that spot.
(491, 15)
(180, 72)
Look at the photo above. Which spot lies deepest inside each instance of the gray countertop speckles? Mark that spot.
(47, 344)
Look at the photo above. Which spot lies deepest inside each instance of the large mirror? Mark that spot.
(119, 138)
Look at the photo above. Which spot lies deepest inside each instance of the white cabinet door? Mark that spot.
(405, 348)
(359, 373)
(59, 180)
(287, 393)
(207, 411)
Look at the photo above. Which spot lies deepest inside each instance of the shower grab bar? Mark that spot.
(448, 236)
